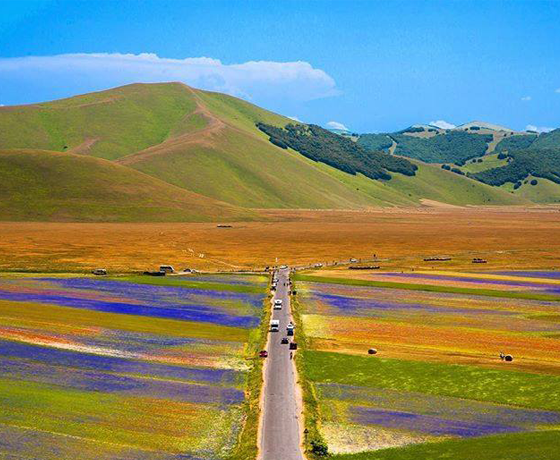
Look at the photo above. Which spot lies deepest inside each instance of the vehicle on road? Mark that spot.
(283, 267)
(278, 304)
(293, 346)
(274, 325)
(290, 329)
(284, 341)
(99, 271)
(166, 269)
(263, 354)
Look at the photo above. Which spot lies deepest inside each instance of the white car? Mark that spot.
(278, 304)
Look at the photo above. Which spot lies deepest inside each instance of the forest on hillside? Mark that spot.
(321, 145)
(521, 164)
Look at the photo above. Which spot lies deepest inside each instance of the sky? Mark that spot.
(369, 66)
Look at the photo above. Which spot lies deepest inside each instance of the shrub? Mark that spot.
(534, 182)
(278, 142)
(502, 156)
(319, 448)
(446, 167)
(457, 171)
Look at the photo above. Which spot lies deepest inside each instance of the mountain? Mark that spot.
(199, 155)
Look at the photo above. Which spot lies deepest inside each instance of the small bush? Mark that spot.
(319, 448)
(278, 143)
(446, 167)
(534, 182)
(517, 185)
(457, 171)
(502, 156)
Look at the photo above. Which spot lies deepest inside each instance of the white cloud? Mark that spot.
(336, 125)
(297, 81)
(295, 119)
(538, 129)
(526, 98)
(557, 90)
(442, 124)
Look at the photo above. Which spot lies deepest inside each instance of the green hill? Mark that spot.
(201, 142)
(46, 185)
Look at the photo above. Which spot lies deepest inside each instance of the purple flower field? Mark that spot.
(425, 423)
(119, 372)
(202, 305)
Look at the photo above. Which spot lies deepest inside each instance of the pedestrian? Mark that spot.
(291, 355)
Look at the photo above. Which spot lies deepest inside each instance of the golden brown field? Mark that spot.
(507, 238)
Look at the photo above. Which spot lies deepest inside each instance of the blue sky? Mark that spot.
(370, 65)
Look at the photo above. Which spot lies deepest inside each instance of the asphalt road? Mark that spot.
(280, 433)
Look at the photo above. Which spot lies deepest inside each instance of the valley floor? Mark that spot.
(508, 238)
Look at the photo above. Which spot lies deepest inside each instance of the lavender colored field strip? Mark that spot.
(425, 423)
(87, 361)
(358, 306)
(440, 406)
(200, 313)
(531, 274)
(86, 380)
(466, 279)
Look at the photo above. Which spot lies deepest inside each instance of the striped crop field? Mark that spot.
(436, 383)
(127, 368)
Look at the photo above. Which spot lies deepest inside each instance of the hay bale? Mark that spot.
(372, 351)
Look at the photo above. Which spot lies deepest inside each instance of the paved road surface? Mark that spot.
(280, 437)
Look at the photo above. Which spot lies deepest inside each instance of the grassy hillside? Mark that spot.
(44, 185)
(198, 141)
(549, 140)
(107, 124)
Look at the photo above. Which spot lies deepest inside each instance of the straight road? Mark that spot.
(280, 430)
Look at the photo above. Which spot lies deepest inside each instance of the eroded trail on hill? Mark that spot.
(200, 136)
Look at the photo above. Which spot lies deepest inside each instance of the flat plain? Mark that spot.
(514, 238)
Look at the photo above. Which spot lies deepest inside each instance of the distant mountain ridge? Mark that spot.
(170, 152)
(483, 151)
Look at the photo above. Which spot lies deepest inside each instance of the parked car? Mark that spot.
(284, 341)
(263, 354)
(99, 271)
(166, 269)
(293, 346)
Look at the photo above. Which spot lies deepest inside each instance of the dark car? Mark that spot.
(293, 346)
(284, 341)
(263, 354)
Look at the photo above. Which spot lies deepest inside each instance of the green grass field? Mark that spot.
(519, 446)
(469, 382)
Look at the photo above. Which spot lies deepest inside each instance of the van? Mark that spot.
(166, 269)
(274, 325)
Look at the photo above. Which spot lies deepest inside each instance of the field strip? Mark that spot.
(430, 288)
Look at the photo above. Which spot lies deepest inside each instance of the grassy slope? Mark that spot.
(234, 162)
(121, 120)
(44, 185)
(255, 173)
(545, 191)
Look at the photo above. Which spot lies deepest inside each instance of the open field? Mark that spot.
(437, 387)
(104, 369)
(514, 238)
